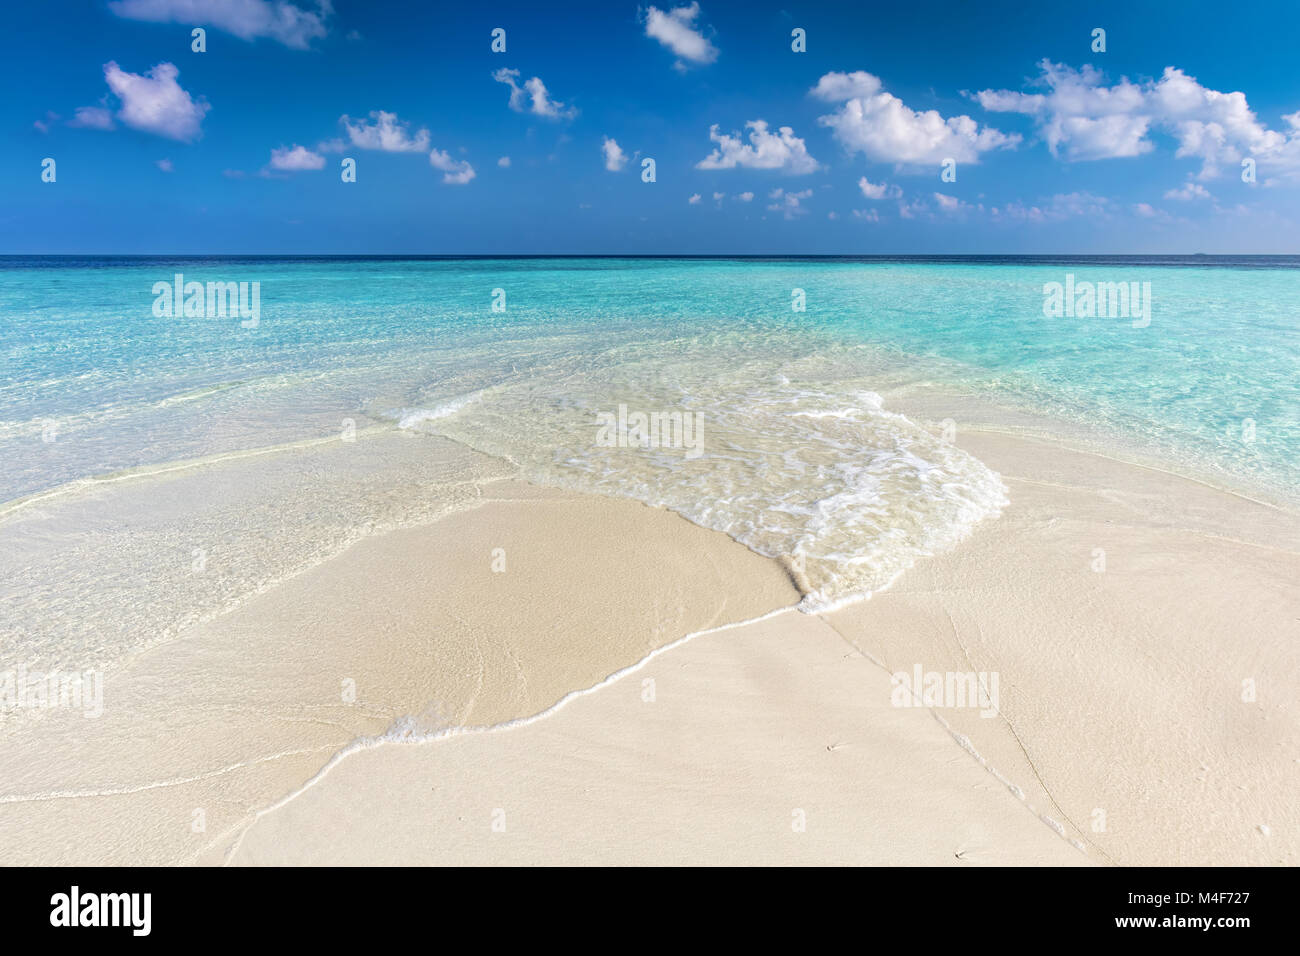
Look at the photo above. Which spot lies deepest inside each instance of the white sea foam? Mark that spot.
(798, 461)
(410, 417)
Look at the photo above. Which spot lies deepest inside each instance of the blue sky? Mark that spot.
(757, 148)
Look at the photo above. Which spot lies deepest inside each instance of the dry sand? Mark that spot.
(1121, 691)
(1146, 630)
(769, 743)
(199, 733)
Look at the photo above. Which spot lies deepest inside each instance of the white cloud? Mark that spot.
(615, 158)
(878, 190)
(788, 203)
(295, 159)
(504, 162)
(745, 196)
(953, 206)
(456, 172)
(165, 165)
(1188, 192)
(676, 29)
(155, 103)
(780, 150)
(1018, 210)
(1058, 207)
(1082, 118)
(1147, 211)
(532, 97)
(838, 87)
(718, 197)
(92, 117)
(1076, 204)
(387, 132)
(948, 203)
(914, 209)
(694, 200)
(867, 215)
(884, 129)
(1079, 116)
(247, 19)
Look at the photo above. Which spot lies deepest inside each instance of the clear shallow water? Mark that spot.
(799, 457)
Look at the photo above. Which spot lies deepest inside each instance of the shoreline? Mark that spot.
(241, 710)
(930, 405)
(1000, 748)
(1136, 618)
(254, 749)
(614, 778)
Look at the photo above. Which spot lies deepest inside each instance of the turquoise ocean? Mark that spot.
(794, 372)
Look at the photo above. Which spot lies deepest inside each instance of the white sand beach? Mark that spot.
(664, 435)
(423, 697)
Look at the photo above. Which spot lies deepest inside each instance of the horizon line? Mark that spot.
(654, 255)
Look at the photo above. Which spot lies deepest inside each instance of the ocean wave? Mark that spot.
(411, 417)
(800, 465)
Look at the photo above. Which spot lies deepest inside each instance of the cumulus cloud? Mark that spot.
(1058, 207)
(165, 165)
(1076, 204)
(1081, 118)
(1146, 211)
(952, 206)
(913, 209)
(878, 190)
(838, 87)
(387, 132)
(788, 203)
(615, 158)
(277, 20)
(676, 29)
(881, 127)
(455, 172)
(1018, 210)
(780, 150)
(92, 117)
(1189, 191)
(155, 102)
(745, 197)
(504, 162)
(532, 97)
(867, 215)
(694, 200)
(295, 159)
